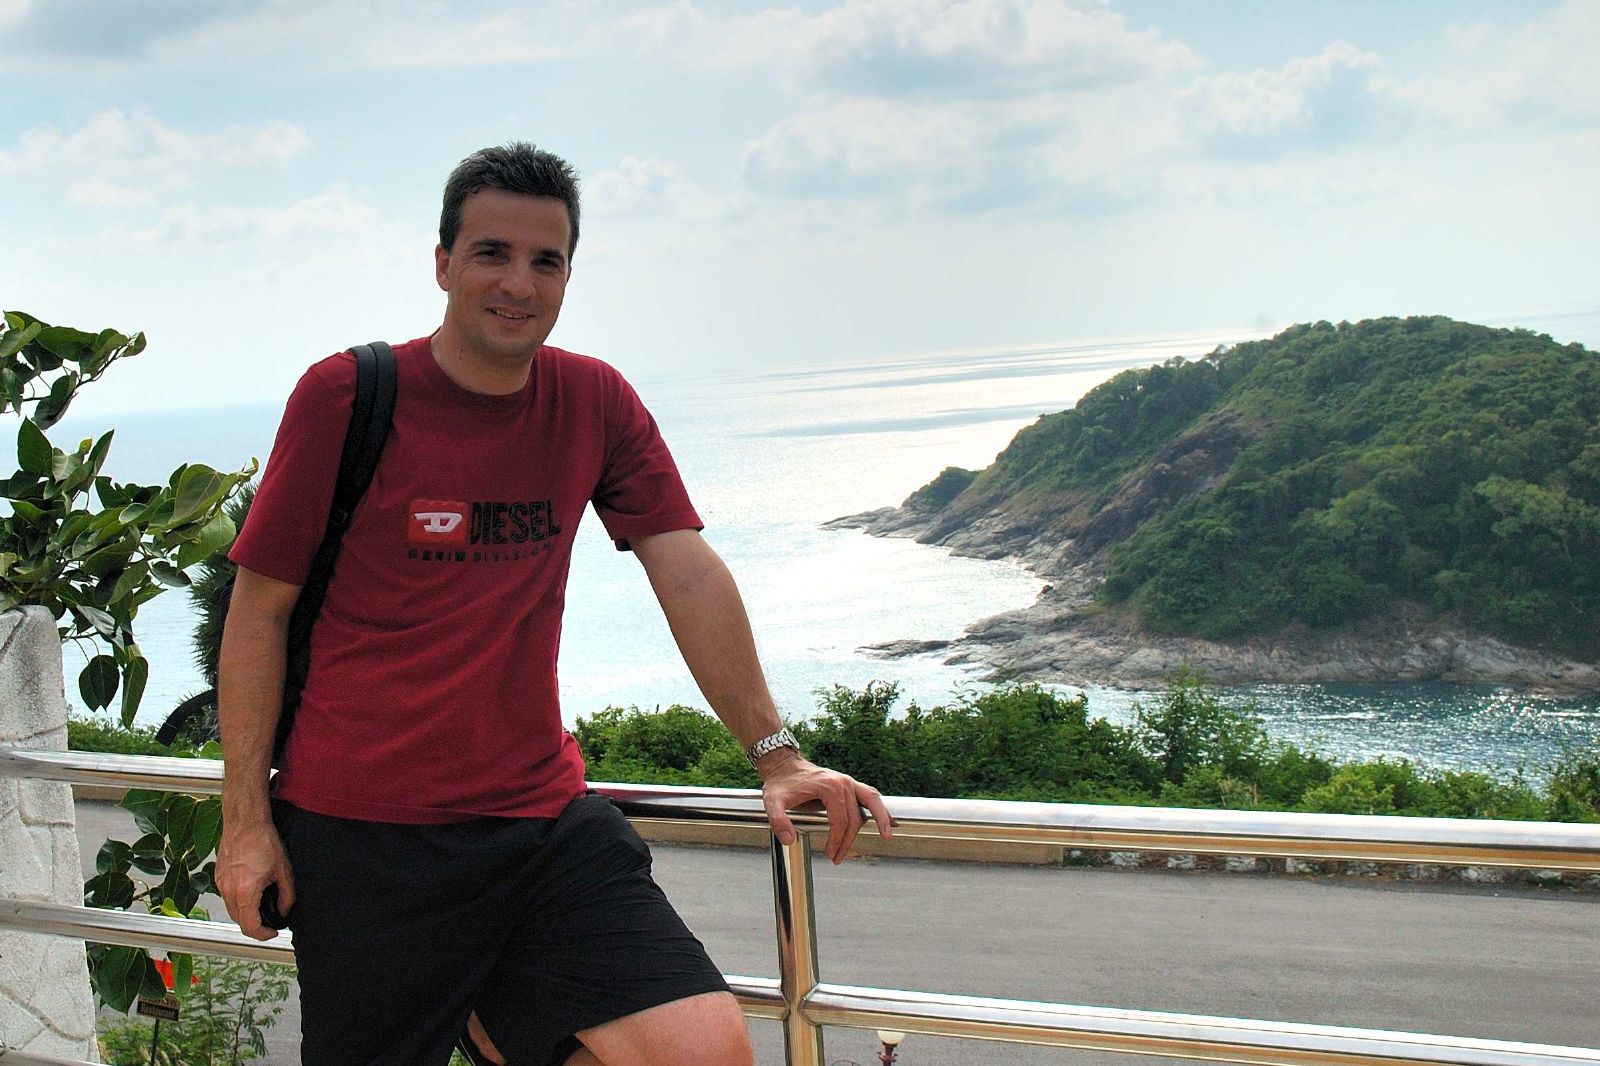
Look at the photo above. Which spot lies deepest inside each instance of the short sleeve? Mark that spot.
(640, 492)
(289, 515)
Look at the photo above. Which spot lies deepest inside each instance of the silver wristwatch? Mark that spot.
(769, 744)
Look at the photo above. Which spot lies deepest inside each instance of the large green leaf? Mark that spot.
(119, 976)
(132, 578)
(179, 887)
(11, 386)
(34, 453)
(97, 454)
(113, 855)
(28, 511)
(207, 829)
(182, 971)
(102, 351)
(169, 575)
(97, 682)
(20, 485)
(64, 464)
(48, 411)
(67, 343)
(149, 854)
(109, 493)
(102, 623)
(110, 890)
(12, 340)
(215, 535)
(197, 489)
(135, 674)
(73, 527)
(180, 826)
(148, 809)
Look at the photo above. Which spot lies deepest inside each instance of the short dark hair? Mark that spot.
(517, 167)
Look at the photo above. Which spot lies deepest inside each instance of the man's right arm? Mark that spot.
(249, 701)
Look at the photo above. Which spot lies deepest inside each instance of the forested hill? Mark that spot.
(1315, 477)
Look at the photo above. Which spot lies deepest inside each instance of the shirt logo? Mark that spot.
(437, 522)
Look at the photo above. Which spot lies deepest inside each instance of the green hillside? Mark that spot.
(1321, 475)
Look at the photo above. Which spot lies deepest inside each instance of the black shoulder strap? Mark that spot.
(363, 443)
(370, 416)
(369, 428)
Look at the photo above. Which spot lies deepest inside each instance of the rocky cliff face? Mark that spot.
(1065, 536)
(1066, 637)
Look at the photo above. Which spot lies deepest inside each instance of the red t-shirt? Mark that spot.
(432, 693)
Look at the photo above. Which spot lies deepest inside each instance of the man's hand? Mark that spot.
(249, 859)
(789, 781)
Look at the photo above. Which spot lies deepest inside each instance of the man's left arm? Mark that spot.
(708, 620)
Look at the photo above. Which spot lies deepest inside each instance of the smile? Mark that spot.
(510, 316)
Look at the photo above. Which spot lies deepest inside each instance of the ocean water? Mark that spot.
(769, 457)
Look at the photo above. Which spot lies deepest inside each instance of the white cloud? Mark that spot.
(98, 192)
(12, 11)
(637, 186)
(334, 212)
(110, 29)
(942, 47)
(860, 146)
(1328, 95)
(507, 38)
(1541, 72)
(138, 152)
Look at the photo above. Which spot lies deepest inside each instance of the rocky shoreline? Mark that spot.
(1064, 637)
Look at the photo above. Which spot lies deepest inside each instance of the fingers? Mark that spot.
(872, 800)
(844, 822)
(245, 910)
(248, 862)
(285, 889)
(847, 802)
(778, 818)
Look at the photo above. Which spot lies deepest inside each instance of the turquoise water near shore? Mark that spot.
(769, 457)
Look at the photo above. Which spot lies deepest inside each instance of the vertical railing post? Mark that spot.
(797, 947)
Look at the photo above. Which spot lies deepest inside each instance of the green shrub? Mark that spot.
(674, 739)
(96, 733)
(1574, 789)
(1189, 727)
(1024, 742)
(1366, 788)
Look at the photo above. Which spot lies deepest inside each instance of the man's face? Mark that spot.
(506, 274)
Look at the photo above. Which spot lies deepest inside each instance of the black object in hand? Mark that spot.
(271, 916)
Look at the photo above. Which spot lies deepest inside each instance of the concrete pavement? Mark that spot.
(1505, 963)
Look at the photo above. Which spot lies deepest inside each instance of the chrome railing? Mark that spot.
(804, 1003)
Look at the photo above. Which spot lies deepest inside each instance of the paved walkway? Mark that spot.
(1520, 964)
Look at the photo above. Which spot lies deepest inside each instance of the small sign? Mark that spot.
(164, 1009)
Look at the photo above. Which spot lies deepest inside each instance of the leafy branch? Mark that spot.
(87, 548)
(175, 855)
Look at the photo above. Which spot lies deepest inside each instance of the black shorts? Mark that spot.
(543, 926)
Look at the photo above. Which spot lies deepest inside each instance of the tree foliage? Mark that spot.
(1420, 459)
(87, 548)
(1186, 748)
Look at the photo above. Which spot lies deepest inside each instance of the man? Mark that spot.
(429, 833)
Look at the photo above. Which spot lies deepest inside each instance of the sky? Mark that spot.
(255, 183)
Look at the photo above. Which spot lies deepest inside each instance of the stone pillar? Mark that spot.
(45, 1003)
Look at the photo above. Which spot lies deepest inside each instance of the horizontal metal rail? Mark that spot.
(1191, 1036)
(1020, 1021)
(805, 1004)
(1010, 1020)
(1352, 837)
(759, 996)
